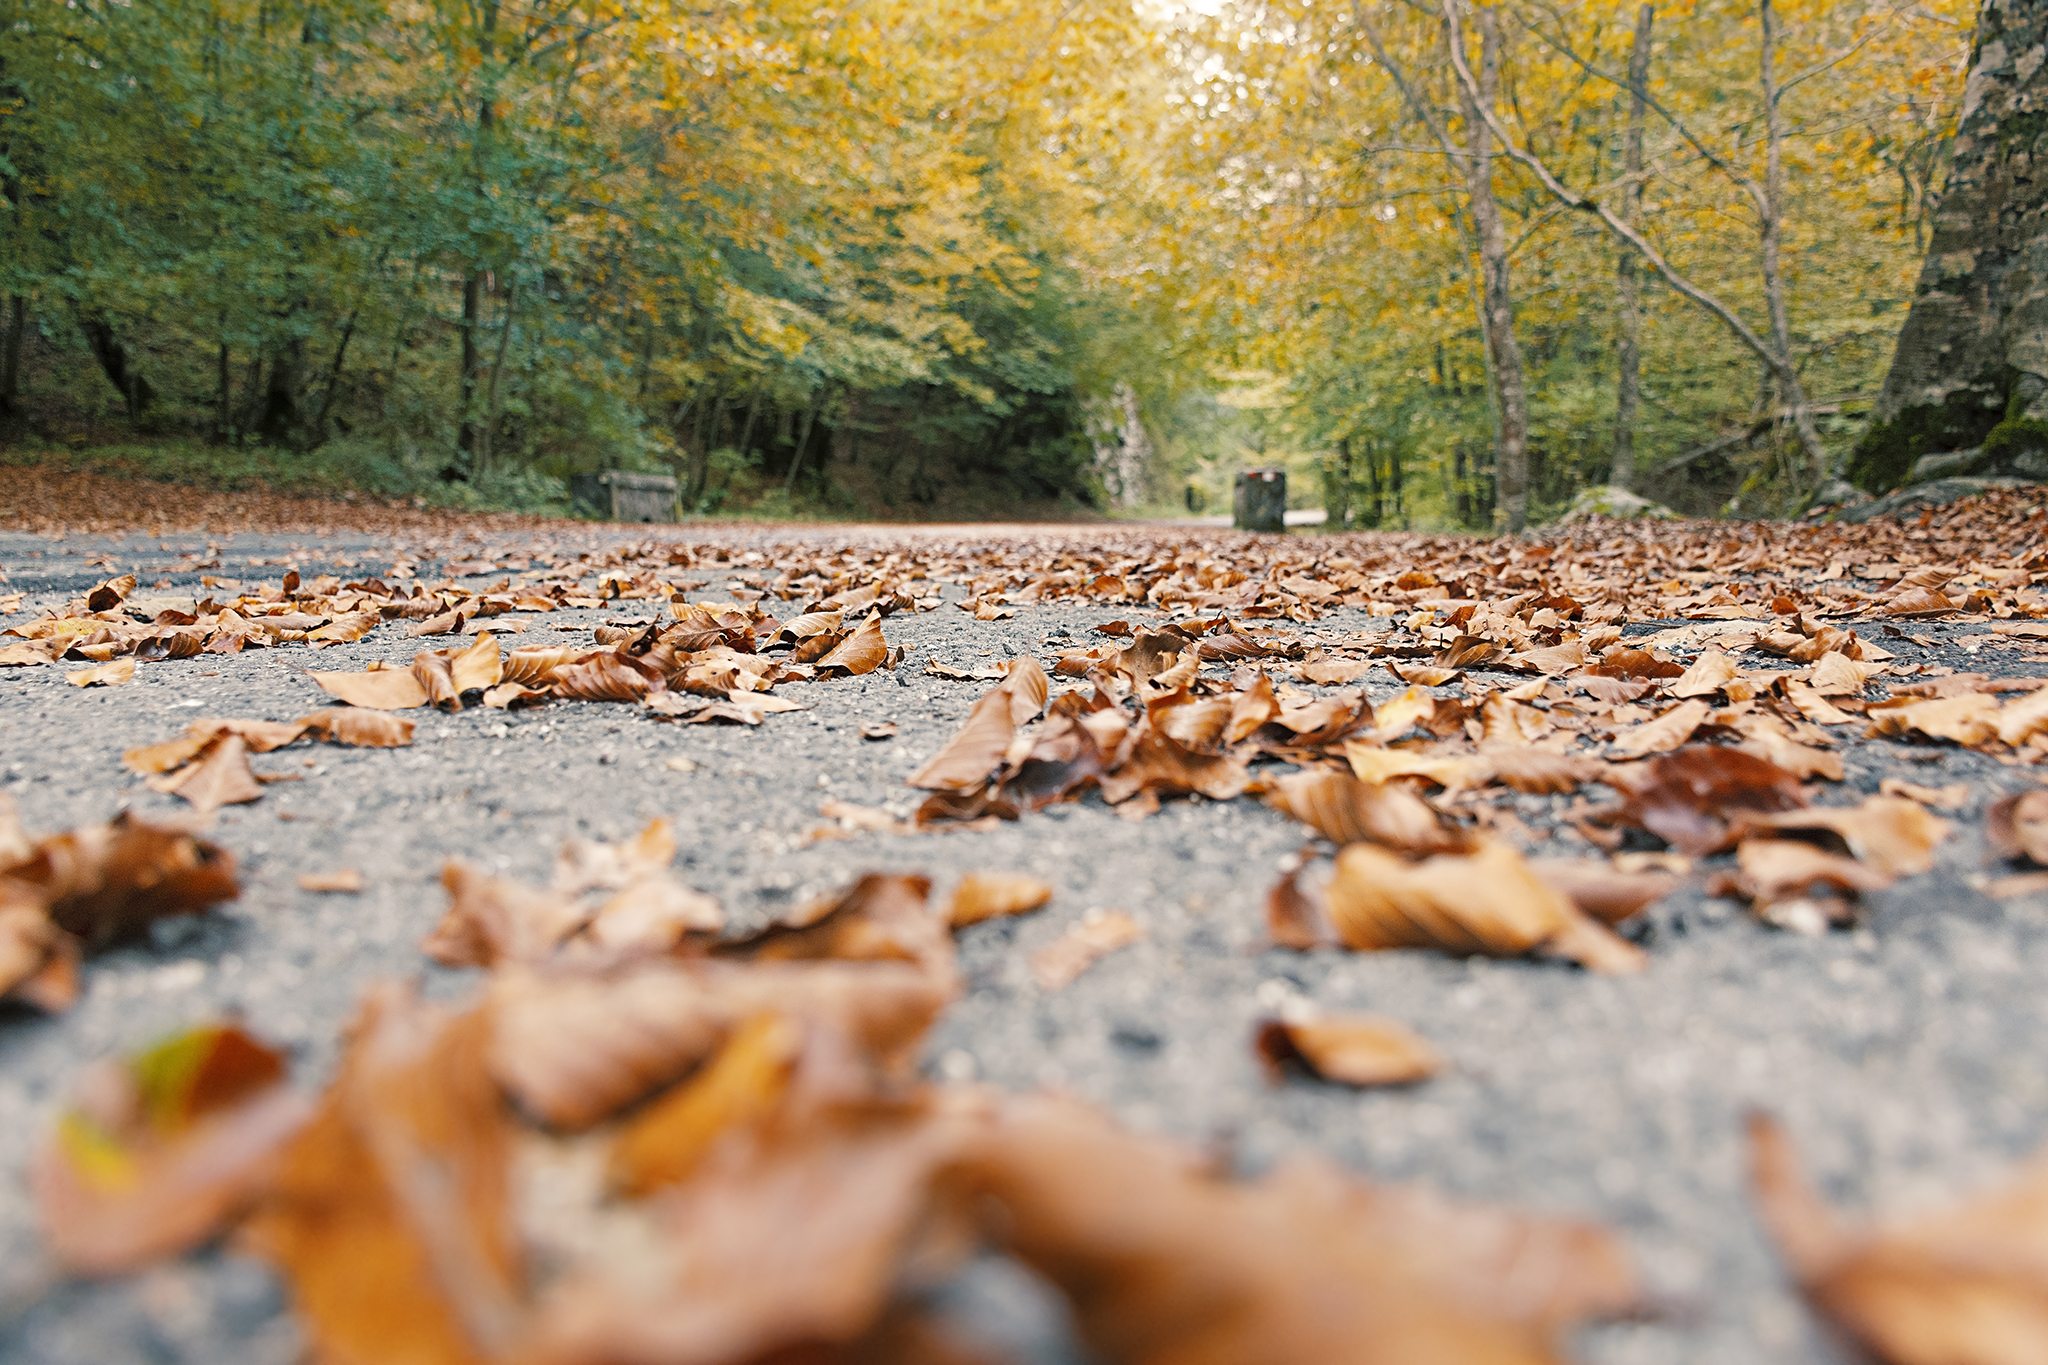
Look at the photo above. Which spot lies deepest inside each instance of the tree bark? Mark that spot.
(116, 364)
(490, 426)
(10, 355)
(1497, 310)
(1973, 354)
(472, 305)
(1773, 225)
(1628, 386)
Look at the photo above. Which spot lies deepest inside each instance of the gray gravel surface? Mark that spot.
(1903, 1054)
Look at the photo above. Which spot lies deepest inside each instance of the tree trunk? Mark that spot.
(1790, 388)
(10, 355)
(1497, 310)
(472, 305)
(279, 422)
(1628, 345)
(1973, 355)
(116, 364)
(490, 426)
(224, 394)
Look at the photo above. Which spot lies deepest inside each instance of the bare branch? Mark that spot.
(1615, 225)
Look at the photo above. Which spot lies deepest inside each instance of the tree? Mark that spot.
(1971, 368)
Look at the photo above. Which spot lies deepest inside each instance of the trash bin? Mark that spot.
(1260, 502)
(619, 496)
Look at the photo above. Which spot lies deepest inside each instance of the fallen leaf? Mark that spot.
(974, 751)
(1167, 1263)
(1345, 810)
(1964, 1285)
(383, 689)
(345, 880)
(358, 727)
(1351, 1049)
(106, 675)
(2016, 826)
(1487, 901)
(159, 1151)
(1602, 890)
(1797, 886)
(220, 777)
(1665, 733)
(1693, 799)
(389, 1211)
(864, 651)
(494, 919)
(1954, 796)
(572, 1048)
(1709, 673)
(981, 896)
(1098, 934)
(885, 729)
(1837, 675)
(1970, 719)
(104, 883)
(1374, 764)
(1895, 836)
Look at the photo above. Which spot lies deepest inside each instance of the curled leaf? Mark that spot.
(981, 896)
(1487, 901)
(1350, 1049)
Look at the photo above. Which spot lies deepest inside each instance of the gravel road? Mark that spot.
(1902, 1055)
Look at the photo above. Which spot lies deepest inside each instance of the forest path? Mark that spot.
(1902, 1051)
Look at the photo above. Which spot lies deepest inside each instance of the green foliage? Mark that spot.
(484, 247)
(2016, 436)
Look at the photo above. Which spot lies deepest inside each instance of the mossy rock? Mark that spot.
(1612, 500)
(1885, 456)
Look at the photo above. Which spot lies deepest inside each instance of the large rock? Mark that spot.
(1971, 369)
(1940, 493)
(1612, 500)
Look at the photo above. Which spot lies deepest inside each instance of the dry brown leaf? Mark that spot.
(1837, 675)
(863, 651)
(1797, 886)
(358, 727)
(389, 1213)
(383, 689)
(881, 729)
(1345, 810)
(22, 656)
(106, 675)
(535, 667)
(1603, 890)
(478, 667)
(1540, 770)
(607, 676)
(741, 1085)
(1665, 733)
(1374, 764)
(38, 960)
(1966, 1285)
(1709, 673)
(880, 917)
(982, 895)
(493, 919)
(1895, 836)
(1337, 672)
(2023, 719)
(2016, 826)
(103, 883)
(1166, 1263)
(159, 1151)
(974, 752)
(1970, 719)
(1813, 705)
(1350, 1049)
(514, 695)
(1694, 799)
(1098, 934)
(346, 880)
(573, 1047)
(220, 777)
(1158, 765)
(1954, 796)
(1488, 901)
(172, 754)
